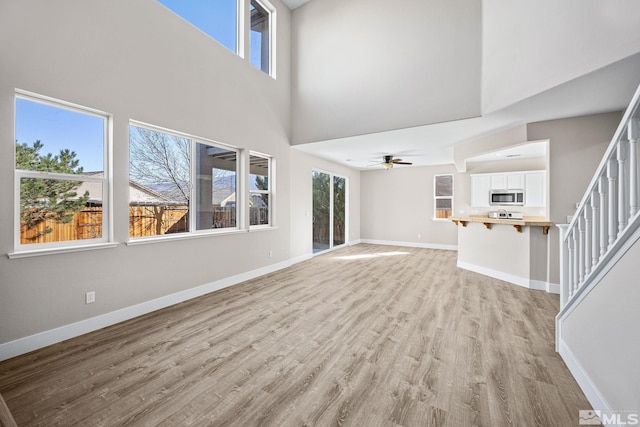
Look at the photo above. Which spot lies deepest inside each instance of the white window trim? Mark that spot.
(272, 33)
(271, 192)
(23, 250)
(192, 232)
(434, 218)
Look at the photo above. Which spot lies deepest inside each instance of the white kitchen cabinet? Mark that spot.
(535, 189)
(507, 181)
(498, 181)
(480, 186)
(532, 182)
(515, 181)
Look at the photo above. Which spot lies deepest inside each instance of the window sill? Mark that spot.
(441, 219)
(60, 250)
(182, 236)
(262, 228)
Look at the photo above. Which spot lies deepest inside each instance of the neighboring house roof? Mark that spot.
(138, 194)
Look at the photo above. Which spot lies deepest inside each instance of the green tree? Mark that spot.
(43, 199)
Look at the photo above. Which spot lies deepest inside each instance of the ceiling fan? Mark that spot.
(389, 161)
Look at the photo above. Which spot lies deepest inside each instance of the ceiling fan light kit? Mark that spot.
(389, 161)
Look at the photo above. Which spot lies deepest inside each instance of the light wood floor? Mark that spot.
(363, 336)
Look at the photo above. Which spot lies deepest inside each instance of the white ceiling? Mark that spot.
(605, 90)
(522, 151)
(292, 4)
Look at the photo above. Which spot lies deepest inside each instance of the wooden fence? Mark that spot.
(144, 221)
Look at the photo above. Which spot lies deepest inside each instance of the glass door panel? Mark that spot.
(321, 211)
(339, 211)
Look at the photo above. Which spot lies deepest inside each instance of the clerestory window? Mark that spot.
(224, 21)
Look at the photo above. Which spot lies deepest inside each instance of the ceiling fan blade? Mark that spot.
(401, 163)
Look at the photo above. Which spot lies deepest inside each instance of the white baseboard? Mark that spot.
(511, 278)
(52, 336)
(411, 244)
(590, 391)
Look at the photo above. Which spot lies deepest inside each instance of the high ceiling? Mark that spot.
(605, 89)
(608, 89)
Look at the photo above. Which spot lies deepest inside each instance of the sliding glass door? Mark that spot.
(329, 211)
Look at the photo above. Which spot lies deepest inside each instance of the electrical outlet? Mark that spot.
(270, 254)
(90, 297)
(419, 235)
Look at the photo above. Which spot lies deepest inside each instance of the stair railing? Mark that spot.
(607, 215)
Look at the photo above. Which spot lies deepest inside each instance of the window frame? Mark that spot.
(243, 32)
(271, 22)
(436, 197)
(270, 192)
(192, 206)
(107, 236)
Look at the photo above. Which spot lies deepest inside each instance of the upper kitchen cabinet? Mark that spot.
(532, 182)
(480, 186)
(535, 189)
(507, 181)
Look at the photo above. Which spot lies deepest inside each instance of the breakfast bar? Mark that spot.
(513, 250)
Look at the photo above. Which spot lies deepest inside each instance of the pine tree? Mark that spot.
(44, 199)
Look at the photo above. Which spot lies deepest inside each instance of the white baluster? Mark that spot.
(594, 227)
(602, 190)
(611, 214)
(575, 260)
(587, 238)
(622, 192)
(632, 134)
(580, 250)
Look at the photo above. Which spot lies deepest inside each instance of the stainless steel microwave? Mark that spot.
(506, 197)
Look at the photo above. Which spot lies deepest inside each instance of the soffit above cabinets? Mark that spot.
(521, 151)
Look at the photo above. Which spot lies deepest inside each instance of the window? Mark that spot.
(61, 174)
(443, 195)
(224, 21)
(260, 36)
(169, 193)
(218, 19)
(260, 190)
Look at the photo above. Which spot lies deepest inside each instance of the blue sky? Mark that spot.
(217, 18)
(58, 129)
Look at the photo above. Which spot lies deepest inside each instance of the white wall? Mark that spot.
(602, 334)
(136, 60)
(576, 147)
(397, 205)
(531, 46)
(362, 66)
(302, 165)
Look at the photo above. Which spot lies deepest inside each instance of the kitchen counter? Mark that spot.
(532, 221)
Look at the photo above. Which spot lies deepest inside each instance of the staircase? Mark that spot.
(603, 231)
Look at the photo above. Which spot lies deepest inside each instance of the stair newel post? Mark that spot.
(632, 134)
(621, 154)
(594, 227)
(612, 175)
(587, 237)
(565, 264)
(602, 190)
